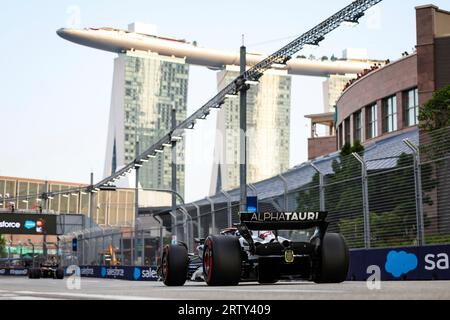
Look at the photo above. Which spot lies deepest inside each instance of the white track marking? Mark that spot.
(84, 295)
(30, 298)
(257, 290)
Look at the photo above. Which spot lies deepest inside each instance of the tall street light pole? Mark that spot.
(243, 130)
(174, 174)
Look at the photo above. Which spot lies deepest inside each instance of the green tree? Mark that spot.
(392, 221)
(343, 193)
(435, 114)
(434, 119)
(2, 246)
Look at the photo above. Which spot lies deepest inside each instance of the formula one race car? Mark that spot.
(46, 270)
(295, 246)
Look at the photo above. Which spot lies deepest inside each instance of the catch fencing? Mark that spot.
(395, 193)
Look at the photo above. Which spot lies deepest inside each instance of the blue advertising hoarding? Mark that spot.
(409, 263)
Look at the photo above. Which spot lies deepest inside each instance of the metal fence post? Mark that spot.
(161, 240)
(81, 242)
(95, 250)
(229, 217)
(189, 228)
(121, 248)
(321, 187)
(418, 191)
(365, 192)
(143, 247)
(199, 221)
(103, 247)
(213, 215)
(286, 190)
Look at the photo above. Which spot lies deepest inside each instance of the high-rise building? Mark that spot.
(332, 89)
(335, 83)
(268, 130)
(146, 86)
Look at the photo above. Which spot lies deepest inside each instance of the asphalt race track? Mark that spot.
(22, 288)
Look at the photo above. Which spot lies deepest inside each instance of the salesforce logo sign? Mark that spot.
(137, 273)
(9, 225)
(29, 224)
(400, 263)
(145, 274)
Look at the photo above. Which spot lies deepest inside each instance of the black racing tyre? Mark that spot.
(333, 261)
(222, 261)
(59, 273)
(175, 263)
(34, 273)
(267, 280)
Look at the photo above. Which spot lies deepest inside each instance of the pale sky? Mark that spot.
(55, 95)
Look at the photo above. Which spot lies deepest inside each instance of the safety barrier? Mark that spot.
(135, 273)
(408, 263)
(390, 264)
(13, 271)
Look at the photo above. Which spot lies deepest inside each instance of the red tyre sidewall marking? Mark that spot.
(166, 262)
(208, 259)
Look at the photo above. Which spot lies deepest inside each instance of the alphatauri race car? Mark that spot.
(264, 247)
(46, 270)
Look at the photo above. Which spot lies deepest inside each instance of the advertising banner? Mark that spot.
(122, 273)
(13, 272)
(409, 263)
(18, 223)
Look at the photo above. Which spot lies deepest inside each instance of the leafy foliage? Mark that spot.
(435, 114)
(2, 246)
(392, 218)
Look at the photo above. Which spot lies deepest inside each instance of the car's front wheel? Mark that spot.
(175, 263)
(333, 261)
(59, 273)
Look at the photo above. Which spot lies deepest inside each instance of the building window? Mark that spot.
(347, 130)
(390, 114)
(357, 126)
(340, 136)
(372, 121)
(412, 107)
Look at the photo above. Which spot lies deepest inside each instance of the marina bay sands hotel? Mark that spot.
(151, 75)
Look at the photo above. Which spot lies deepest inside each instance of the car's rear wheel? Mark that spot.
(34, 273)
(59, 273)
(175, 263)
(267, 280)
(222, 261)
(333, 262)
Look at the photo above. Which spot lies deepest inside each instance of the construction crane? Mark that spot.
(350, 14)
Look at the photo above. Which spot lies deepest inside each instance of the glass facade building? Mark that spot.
(268, 131)
(146, 87)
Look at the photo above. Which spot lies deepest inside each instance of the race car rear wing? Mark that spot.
(283, 220)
